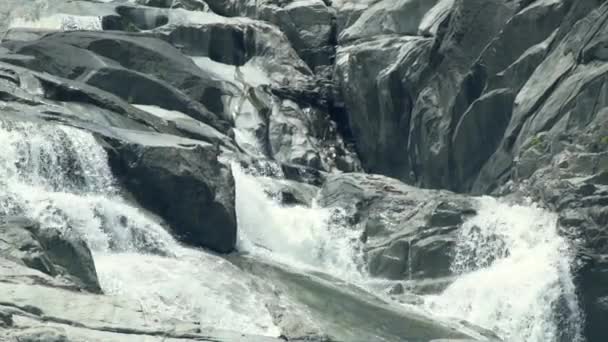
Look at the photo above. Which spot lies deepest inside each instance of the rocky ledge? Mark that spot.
(448, 98)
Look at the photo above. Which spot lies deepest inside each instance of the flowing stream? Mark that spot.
(60, 176)
(515, 268)
(515, 275)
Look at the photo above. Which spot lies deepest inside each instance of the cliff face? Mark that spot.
(454, 98)
(498, 97)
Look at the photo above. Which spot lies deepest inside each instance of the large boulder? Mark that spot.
(378, 87)
(408, 233)
(139, 69)
(180, 180)
(55, 253)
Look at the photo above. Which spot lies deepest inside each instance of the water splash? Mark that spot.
(515, 275)
(58, 21)
(309, 237)
(60, 176)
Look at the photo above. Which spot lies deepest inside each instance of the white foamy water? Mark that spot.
(308, 237)
(515, 276)
(192, 287)
(60, 176)
(514, 268)
(58, 21)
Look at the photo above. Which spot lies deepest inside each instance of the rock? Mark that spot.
(71, 255)
(397, 289)
(39, 334)
(308, 24)
(303, 174)
(429, 25)
(42, 309)
(191, 5)
(344, 312)
(170, 177)
(44, 97)
(49, 251)
(289, 192)
(480, 129)
(409, 233)
(401, 17)
(6, 319)
(115, 62)
(306, 137)
(379, 110)
(347, 12)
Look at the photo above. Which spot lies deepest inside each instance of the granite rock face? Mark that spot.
(52, 252)
(408, 233)
(440, 99)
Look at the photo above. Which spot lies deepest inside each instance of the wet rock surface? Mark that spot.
(50, 251)
(409, 233)
(471, 96)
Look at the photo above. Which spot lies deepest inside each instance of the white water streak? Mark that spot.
(515, 268)
(60, 176)
(515, 275)
(306, 237)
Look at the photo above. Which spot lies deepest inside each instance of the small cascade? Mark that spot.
(515, 275)
(308, 237)
(60, 176)
(514, 268)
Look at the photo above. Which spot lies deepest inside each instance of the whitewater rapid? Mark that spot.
(60, 176)
(514, 270)
(515, 275)
(311, 238)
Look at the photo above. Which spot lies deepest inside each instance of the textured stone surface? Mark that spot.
(472, 96)
(409, 233)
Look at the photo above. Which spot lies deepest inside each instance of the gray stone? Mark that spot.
(402, 17)
(49, 251)
(409, 233)
(171, 178)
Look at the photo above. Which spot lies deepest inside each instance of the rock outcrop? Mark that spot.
(408, 233)
(57, 254)
(183, 182)
(501, 97)
(471, 96)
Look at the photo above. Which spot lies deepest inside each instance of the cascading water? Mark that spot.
(309, 237)
(59, 176)
(514, 268)
(515, 275)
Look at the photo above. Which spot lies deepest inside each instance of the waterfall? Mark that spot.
(59, 175)
(515, 275)
(310, 237)
(514, 268)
